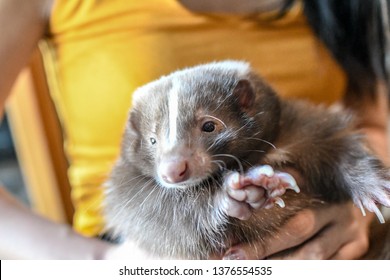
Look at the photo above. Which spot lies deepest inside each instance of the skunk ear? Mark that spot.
(244, 94)
(133, 123)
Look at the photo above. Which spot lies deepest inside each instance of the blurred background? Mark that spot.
(10, 174)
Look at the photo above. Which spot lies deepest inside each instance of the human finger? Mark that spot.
(299, 229)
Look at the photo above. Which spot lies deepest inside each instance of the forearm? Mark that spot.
(23, 24)
(24, 235)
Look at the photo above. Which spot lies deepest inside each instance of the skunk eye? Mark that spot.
(208, 126)
(153, 141)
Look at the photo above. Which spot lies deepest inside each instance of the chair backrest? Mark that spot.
(39, 143)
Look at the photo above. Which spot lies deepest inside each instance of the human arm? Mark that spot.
(23, 24)
(24, 234)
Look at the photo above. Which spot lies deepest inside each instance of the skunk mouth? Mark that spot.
(213, 179)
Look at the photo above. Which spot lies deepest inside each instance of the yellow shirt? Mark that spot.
(101, 50)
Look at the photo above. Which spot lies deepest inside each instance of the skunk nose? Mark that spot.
(175, 171)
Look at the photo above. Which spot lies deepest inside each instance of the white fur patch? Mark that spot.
(173, 111)
(240, 67)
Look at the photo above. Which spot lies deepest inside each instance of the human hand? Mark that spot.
(332, 232)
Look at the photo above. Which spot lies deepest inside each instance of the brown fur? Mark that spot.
(320, 143)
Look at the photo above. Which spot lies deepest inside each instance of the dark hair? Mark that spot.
(357, 34)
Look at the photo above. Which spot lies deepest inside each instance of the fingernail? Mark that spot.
(295, 188)
(280, 202)
(290, 181)
(235, 254)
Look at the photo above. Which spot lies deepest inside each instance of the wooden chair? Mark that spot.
(39, 144)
